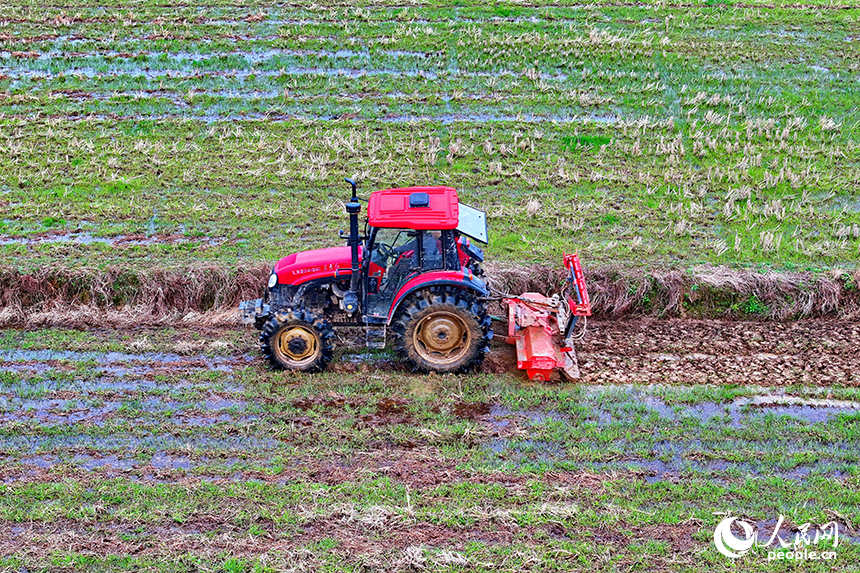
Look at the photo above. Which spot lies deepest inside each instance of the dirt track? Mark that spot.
(818, 352)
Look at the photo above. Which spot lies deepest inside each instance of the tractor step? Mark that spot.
(375, 336)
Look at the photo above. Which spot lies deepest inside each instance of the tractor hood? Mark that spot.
(317, 264)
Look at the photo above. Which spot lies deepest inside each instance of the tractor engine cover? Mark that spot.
(317, 264)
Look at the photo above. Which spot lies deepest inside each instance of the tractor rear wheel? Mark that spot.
(442, 330)
(295, 339)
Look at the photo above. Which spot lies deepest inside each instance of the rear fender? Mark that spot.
(461, 279)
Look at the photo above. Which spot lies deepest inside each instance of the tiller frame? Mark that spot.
(540, 327)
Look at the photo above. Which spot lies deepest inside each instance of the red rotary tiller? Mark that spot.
(541, 326)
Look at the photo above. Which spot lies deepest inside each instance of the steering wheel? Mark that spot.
(385, 251)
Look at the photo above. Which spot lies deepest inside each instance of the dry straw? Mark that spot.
(209, 295)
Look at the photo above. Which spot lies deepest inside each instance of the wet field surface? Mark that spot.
(165, 441)
(220, 414)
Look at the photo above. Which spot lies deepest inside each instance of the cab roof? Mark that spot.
(419, 208)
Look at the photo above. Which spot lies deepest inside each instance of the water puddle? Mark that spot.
(81, 238)
(58, 412)
(216, 403)
(521, 437)
(539, 451)
(162, 460)
(216, 409)
(18, 74)
(159, 460)
(208, 420)
(422, 22)
(269, 21)
(89, 462)
(182, 99)
(263, 56)
(106, 358)
(664, 460)
(195, 445)
(127, 371)
(175, 98)
(734, 413)
(242, 74)
(806, 409)
(34, 367)
(449, 118)
(117, 241)
(249, 57)
(237, 94)
(272, 117)
(91, 388)
(45, 461)
(654, 471)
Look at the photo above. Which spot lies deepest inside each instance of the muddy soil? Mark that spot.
(684, 351)
(643, 351)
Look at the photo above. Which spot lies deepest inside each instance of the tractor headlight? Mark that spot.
(273, 280)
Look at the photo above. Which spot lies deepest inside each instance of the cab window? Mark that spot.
(392, 257)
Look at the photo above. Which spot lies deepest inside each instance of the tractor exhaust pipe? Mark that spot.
(350, 299)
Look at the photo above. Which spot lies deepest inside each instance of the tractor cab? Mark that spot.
(414, 231)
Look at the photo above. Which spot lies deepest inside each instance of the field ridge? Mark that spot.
(120, 297)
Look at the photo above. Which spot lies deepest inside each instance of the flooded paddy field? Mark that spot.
(128, 436)
(674, 135)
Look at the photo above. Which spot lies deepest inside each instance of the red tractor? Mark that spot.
(414, 270)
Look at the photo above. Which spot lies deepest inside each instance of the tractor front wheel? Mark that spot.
(442, 330)
(295, 339)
